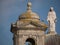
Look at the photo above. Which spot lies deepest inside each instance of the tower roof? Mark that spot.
(28, 20)
(29, 14)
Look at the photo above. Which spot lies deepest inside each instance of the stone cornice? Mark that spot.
(25, 28)
(29, 35)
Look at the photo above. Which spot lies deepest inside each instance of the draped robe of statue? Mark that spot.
(51, 18)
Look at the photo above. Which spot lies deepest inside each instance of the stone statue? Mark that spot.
(51, 18)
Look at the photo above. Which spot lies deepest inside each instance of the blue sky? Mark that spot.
(11, 9)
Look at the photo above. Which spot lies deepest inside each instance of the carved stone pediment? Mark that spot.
(29, 24)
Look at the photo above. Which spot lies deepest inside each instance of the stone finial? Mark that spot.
(29, 4)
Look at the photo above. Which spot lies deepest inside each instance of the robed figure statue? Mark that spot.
(51, 18)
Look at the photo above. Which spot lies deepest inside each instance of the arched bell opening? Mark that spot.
(30, 41)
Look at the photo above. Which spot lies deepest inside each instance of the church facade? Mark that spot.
(28, 29)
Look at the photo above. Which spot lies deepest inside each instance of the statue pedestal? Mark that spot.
(52, 32)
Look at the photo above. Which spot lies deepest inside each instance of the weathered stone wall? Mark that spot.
(22, 35)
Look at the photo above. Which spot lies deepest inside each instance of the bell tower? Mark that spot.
(28, 29)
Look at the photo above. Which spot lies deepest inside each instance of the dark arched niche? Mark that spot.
(30, 41)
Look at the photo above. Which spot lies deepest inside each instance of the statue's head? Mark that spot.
(51, 9)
